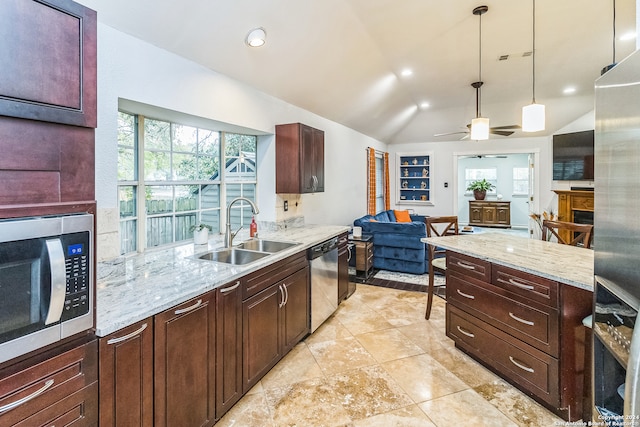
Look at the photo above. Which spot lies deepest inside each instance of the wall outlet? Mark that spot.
(286, 205)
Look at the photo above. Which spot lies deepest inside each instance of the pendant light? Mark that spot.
(533, 115)
(479, 125)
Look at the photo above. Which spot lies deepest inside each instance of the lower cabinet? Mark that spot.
(57, 387)
(184, 364)
(228, 346)
(274, 321)
(526, 328)
(126, 376)
(343, 267)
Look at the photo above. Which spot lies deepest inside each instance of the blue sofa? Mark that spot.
(396, 245)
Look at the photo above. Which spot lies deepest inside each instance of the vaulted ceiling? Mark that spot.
(343, 59)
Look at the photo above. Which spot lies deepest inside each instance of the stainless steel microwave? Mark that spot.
(46, 281)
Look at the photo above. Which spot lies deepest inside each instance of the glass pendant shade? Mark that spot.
(480, 129)
(533, 118)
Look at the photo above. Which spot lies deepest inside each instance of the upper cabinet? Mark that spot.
(48, 55)
(299, 159)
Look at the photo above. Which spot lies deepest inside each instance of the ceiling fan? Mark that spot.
(496, 130)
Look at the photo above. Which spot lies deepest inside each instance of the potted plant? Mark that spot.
(480, 188)
(201, 233)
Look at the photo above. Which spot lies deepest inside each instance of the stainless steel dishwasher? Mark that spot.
(323, 259)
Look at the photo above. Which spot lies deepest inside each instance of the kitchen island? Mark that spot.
(516, 305)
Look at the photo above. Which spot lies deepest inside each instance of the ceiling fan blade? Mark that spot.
(501, 132)
(506, 127)
(450, 133)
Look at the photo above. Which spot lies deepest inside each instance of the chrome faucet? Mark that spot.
(228, 235)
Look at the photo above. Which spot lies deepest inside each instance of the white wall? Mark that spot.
(135, 70)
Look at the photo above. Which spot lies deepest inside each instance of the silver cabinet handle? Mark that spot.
(521, 366)
(58, 280)
(521, 285)
(521, 320)
(286, 294)
(349, 253)
(465, 295)
(282, 301)
(230, 288)
(468, 267)
(126, 337)
(25, 399)
(193, 307)
(462, 331)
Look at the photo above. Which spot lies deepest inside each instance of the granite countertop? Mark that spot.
(563, 263)
(132, 288)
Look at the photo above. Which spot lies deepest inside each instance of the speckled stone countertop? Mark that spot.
(563, 263)
(132, 288)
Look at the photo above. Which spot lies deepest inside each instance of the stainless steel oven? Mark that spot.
(46, 281)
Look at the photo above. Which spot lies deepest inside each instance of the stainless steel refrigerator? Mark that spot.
(616, 345)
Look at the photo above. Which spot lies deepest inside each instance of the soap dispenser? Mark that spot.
(253, 228)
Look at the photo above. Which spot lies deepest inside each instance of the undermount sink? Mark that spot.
(263, 245)
(233, 256)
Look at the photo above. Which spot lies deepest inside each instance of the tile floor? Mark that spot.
(377, 362)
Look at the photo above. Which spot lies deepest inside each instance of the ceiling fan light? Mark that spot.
(533, 119)
(256, 37)
(480, 129)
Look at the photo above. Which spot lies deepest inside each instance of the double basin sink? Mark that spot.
(246, 252)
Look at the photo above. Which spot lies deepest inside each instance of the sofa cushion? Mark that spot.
(402, 216)
(384, 217)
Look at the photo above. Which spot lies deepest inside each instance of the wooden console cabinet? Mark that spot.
(524, 327)
(490, 213)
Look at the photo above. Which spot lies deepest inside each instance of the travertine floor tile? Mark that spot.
(361, 320)
(388, 344)
(331, 329)
(465, 408)
(410, 416)
(423, 378)
(298, 365)
(340, 355)
(251, 411)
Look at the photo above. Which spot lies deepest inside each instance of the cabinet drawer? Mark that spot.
(472, 267)
(536, 326)
(48, 380)
(528, 285)
(267, 276)
(529, 369)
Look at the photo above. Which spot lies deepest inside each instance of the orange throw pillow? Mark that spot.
(402, 216)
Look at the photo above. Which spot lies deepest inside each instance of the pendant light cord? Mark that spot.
(479, 90)
(533, 54)
(614, 31)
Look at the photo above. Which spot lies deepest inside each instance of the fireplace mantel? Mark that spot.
(570, 201)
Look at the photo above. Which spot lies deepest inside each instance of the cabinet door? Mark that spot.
(185, 364)
(489, 214)
(228, 347)
(475, 214)
(503, 215)
(318, 159)
(261, 336)
(48, 55)
(296, 319)
(126, 376)
(312, 159)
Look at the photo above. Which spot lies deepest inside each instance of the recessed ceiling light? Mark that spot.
(406, 72)
(424, 105)
(256, 37)
(569, 90)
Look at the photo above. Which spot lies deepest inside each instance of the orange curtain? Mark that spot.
(387, 192)
(371, 181)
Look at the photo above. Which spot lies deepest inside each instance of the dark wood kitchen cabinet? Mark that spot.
(126, 376)
(526, 328)
(59, 387)
(276, 315)
(184, 364)
(49, 61)
(299, 159)
(228, 346)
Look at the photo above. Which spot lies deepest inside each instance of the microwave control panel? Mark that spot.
(77, 298)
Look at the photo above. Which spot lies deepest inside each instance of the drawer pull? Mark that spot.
(126, 337)
(230, 288)
(467, 266)
(521, 366)
(25, 399)
(193, 307)
(521, 320)
(521, 285)
(462, 331)
(465, 295)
